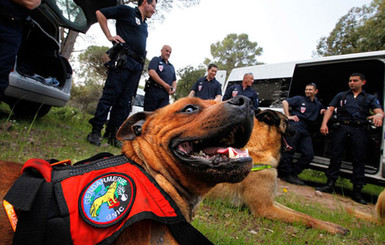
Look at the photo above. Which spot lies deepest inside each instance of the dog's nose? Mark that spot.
(241, 101)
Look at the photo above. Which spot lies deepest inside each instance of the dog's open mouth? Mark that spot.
(214, 151)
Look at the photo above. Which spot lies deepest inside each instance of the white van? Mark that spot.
(137, 102)
(275, 82)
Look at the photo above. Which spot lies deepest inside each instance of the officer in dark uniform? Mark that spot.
(207, 88)
(305, 111)
(245, 89)
(12, 17)
(350, 123)
(162, 81)
(125, 67)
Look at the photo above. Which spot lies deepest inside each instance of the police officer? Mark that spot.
(352, 113)
(12, 17)
(125, 69)
(305, 111)
(245, 89)
(162, 81)
(207, 88)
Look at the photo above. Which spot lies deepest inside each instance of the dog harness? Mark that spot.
(91, 202)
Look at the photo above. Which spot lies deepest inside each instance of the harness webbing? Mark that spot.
(257, 167)
(45, 215)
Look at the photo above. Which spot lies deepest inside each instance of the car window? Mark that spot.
(69, 12)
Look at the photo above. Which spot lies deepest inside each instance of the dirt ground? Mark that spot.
(308, 194)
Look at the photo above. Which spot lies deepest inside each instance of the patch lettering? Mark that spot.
(107, 199)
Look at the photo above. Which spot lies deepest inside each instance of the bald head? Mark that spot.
(165, 52)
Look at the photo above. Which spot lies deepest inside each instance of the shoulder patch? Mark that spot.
(107, 199)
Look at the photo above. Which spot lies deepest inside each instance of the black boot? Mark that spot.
(357, 195)
(94, 137)
(328, 188)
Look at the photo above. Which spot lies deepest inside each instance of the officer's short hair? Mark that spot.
(357, 74)
(248, 74)
(312, 84)
(148, 1)
(211, 66)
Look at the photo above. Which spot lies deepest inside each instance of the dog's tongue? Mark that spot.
(229, 151)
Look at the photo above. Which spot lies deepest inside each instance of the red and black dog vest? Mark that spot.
(88, 203)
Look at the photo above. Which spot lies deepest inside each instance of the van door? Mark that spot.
(332, 76)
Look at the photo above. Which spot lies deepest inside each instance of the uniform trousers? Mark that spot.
(120, 87)
(302, 143)
(357, 137)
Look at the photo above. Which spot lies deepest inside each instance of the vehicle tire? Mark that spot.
(28, 109)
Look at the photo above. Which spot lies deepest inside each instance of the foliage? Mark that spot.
(92, 69)
(188, 76)
(85, 98)
(360, 30)
(234, 51)
(85, 94)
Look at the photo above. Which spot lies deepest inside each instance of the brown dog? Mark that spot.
(379, 216)
(184, 148)
(257, 190)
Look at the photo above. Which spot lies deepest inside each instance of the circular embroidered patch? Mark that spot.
(107, 199)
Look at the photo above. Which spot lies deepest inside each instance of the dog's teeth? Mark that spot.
(233, 153)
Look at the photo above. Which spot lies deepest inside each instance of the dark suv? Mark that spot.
(42, 77)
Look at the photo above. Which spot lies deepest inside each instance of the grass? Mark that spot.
(62, 134)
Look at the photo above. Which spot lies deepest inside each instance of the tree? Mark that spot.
(234, 51)
(68, 38)
(360, 30)
(188, 76)
(85, 95)
(92, 69)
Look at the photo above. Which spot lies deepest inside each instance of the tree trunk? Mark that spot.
(69, 43)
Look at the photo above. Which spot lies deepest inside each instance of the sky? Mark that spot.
(287, 30)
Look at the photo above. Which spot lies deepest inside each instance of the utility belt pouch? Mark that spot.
(151, 83)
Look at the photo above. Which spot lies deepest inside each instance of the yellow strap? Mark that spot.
(11, 214)
(257, 167)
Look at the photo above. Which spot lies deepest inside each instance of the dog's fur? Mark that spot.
(379, 213)
(258, 189)
(162, 143)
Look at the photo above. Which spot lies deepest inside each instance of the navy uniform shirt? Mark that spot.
(165, 70)
(9, 9)
(207, 90)
(354, 109)
(304, 108)
(249, 92)
(129, 26)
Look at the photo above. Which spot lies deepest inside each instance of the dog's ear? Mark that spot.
(269, 117)
(132, 127)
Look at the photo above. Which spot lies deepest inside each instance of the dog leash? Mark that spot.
(257, 167)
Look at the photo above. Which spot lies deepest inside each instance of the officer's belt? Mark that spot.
(352, 123)
(133, 55)
(152, 84)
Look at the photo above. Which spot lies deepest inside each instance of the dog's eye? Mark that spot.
(190, 109)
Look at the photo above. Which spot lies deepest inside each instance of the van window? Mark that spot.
(271, 92)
